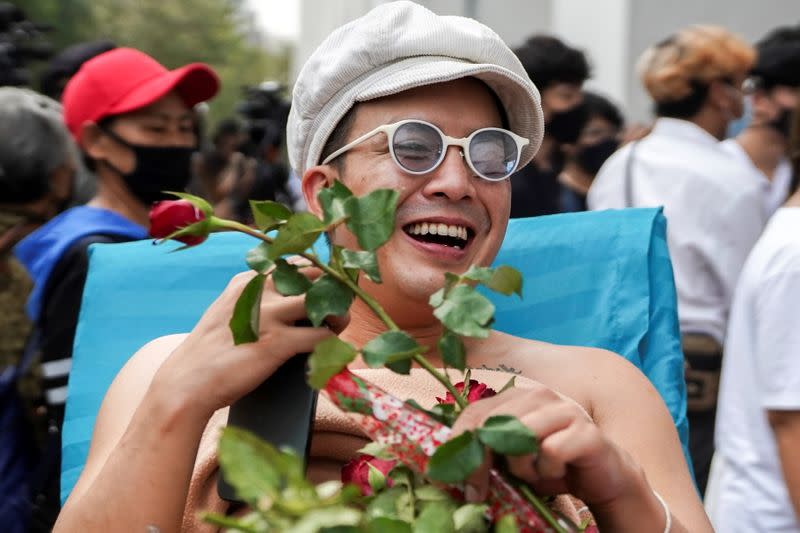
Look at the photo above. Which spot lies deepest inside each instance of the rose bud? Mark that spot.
(477, 391)
(169, 216)
(357, 472)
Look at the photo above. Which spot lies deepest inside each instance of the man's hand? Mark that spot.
(574, 455)
(209, 372)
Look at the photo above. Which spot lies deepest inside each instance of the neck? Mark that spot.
(114, 196)
(765, 147)
(710, 120)
(794, 199)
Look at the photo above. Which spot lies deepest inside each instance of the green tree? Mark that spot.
(221, 33)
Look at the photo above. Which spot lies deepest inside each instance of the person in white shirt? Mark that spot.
(713, 207)
(763, 145)
(755, 480)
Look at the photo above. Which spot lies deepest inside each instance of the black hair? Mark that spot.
(778, 60)
(227, 127)
(600, 106)
(548, 61)
(686, 107)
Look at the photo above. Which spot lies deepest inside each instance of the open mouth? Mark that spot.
(454, 236)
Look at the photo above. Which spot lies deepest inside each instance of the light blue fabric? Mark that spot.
(596, 279)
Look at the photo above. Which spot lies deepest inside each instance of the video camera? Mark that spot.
(20, 41)
(265, 110)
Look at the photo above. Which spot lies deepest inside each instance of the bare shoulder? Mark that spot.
(121, 401)
(595, 378)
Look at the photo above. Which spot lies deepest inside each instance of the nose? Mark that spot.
(452, 179)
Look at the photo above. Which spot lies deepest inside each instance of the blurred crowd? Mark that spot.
(109, 129)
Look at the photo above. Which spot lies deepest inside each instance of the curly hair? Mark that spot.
(675, 68)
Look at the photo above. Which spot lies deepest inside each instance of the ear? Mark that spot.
(93, 140)
(314, 180)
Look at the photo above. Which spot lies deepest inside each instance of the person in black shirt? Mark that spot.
(559, 72)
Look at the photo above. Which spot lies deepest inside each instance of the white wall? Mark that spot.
(614, 33)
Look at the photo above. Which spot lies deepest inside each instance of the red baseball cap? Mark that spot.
(124, 80)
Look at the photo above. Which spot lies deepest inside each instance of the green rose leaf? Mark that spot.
(479, 274)
(503, 279)
(288, 279)
(376, 450)
(333, 200)
(383, 524)
(452, 350)
(390, 347)
(327, 296)
(327, 519)
(506, 524)
(471, 518)
(429, 493)
(247, 312)
(455, 460)
(300, 232)
(199, 203)
(436, 517)
(466, 312)
(506, 280)
(366, 261)
(376, 479)
(510, 384)
(329, 357)
(506, 435)
(392, 503)
(249, 464)
(268, 215)
(371, 217)
(444, 413)
(258, 258)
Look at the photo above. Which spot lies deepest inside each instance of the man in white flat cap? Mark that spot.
(382, 103)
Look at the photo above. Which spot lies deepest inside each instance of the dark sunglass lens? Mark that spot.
(493, 154)
(417, 146)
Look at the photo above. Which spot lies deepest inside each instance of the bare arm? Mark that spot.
(632, 414)
(786, 426)
(149, 427)
(613, 458)
(142, 453)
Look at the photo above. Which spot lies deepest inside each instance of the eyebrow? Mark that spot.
(166, 116)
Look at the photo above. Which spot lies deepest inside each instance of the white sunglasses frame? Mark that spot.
(390, 129)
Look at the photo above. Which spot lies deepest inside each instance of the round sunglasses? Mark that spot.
(419, 147)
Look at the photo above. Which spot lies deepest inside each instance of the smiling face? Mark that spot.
(447, 219)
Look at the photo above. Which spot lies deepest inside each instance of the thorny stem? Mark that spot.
(542, 509)
(376, 308)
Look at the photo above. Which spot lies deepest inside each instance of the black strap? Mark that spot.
(629, 175)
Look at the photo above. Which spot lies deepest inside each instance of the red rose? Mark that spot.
(477, 391)
(357, 472)
(169, 216)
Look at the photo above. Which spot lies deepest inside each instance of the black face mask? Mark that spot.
(565, 126)
(783, 124)
(591, 157)
(158, 169)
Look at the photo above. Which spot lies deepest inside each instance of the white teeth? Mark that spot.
(433, 228)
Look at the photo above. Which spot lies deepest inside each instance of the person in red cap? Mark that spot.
(132, 119)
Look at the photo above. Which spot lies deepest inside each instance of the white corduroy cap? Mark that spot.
(395, 47)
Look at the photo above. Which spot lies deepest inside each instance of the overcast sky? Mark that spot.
(279, 18)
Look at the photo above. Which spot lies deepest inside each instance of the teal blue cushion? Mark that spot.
(599, 279)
